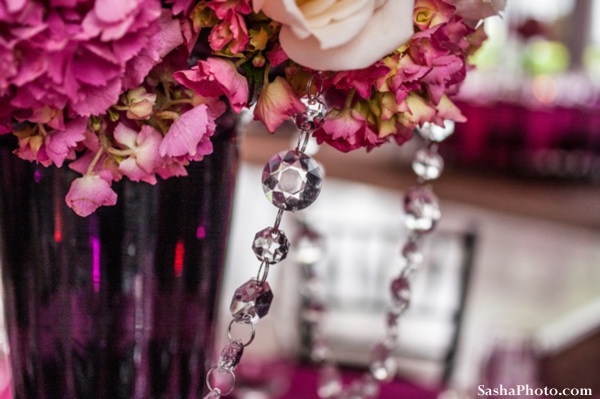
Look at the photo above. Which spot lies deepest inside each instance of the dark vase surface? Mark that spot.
(121, 304)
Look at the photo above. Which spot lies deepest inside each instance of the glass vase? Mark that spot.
(121, 304)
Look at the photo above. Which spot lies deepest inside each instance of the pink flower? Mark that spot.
(276, 103)
(347, 130)
(144, 159)
(362, 79)
(89, 192)
(230, 34)
(61, 144)
(82, 55)
(223, 7)
(429, 13)
(139, 104)
(446, 71)
(216, 77)
(189, 134)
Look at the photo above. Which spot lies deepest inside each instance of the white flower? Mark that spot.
(340, 34)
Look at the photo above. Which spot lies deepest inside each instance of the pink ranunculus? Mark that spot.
(89, 192)
(216, 77)
(276, 103)
(188, 133)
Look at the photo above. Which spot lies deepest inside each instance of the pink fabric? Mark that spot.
(304, 386)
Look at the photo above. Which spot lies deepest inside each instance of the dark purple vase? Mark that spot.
(120, 304)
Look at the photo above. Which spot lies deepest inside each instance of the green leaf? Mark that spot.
(255, 78)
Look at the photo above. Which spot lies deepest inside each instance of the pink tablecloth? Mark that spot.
(304, 385)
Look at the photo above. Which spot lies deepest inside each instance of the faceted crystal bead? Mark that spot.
(251, 301)
(422, 209)
(369, 387)
(428, 164)
(330, 382)
(320, 351)
(214, 394)
(313, 116)
(292, 180)
(433, 132)
(309, 247)
(383, 365)
(231, 355)
(400, 290)
(411, 252)
(270, 245)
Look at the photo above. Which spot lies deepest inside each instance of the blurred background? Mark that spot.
(510, 288)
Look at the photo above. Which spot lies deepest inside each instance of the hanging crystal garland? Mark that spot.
(291, 181)
(422, 212)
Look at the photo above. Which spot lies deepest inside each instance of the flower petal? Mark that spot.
(87, 193)
(391, 25)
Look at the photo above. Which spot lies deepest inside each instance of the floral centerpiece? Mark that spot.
(104, 87)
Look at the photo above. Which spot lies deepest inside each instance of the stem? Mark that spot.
(266, 74)
(94, 162)
(165, 86)
(175, 102)
(241, 61)
(349, 99)
(164, 128)
(123, 153)
(42, 129)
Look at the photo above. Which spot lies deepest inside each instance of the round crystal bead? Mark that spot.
(412, 254)
(330, 382)
(422, 209)
(214, 394)
(383, 365)
(313, 116)
(433, 132)
(292, 180)
(270, 245)
(428, 164)
(309, 247)
(400, 290)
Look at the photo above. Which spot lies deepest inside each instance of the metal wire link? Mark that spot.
(230, 335)
(214, 389)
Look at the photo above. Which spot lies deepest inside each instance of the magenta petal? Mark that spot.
(87, 193)
(186, 132)
(60, 143)
(96, 100)
(113, 10)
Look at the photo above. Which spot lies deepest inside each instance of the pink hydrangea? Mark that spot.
(89, 192)
(83, 54)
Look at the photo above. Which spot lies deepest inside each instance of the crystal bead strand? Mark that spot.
(291, 181)
(422, 212)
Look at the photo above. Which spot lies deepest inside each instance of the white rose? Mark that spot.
(340, 34)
